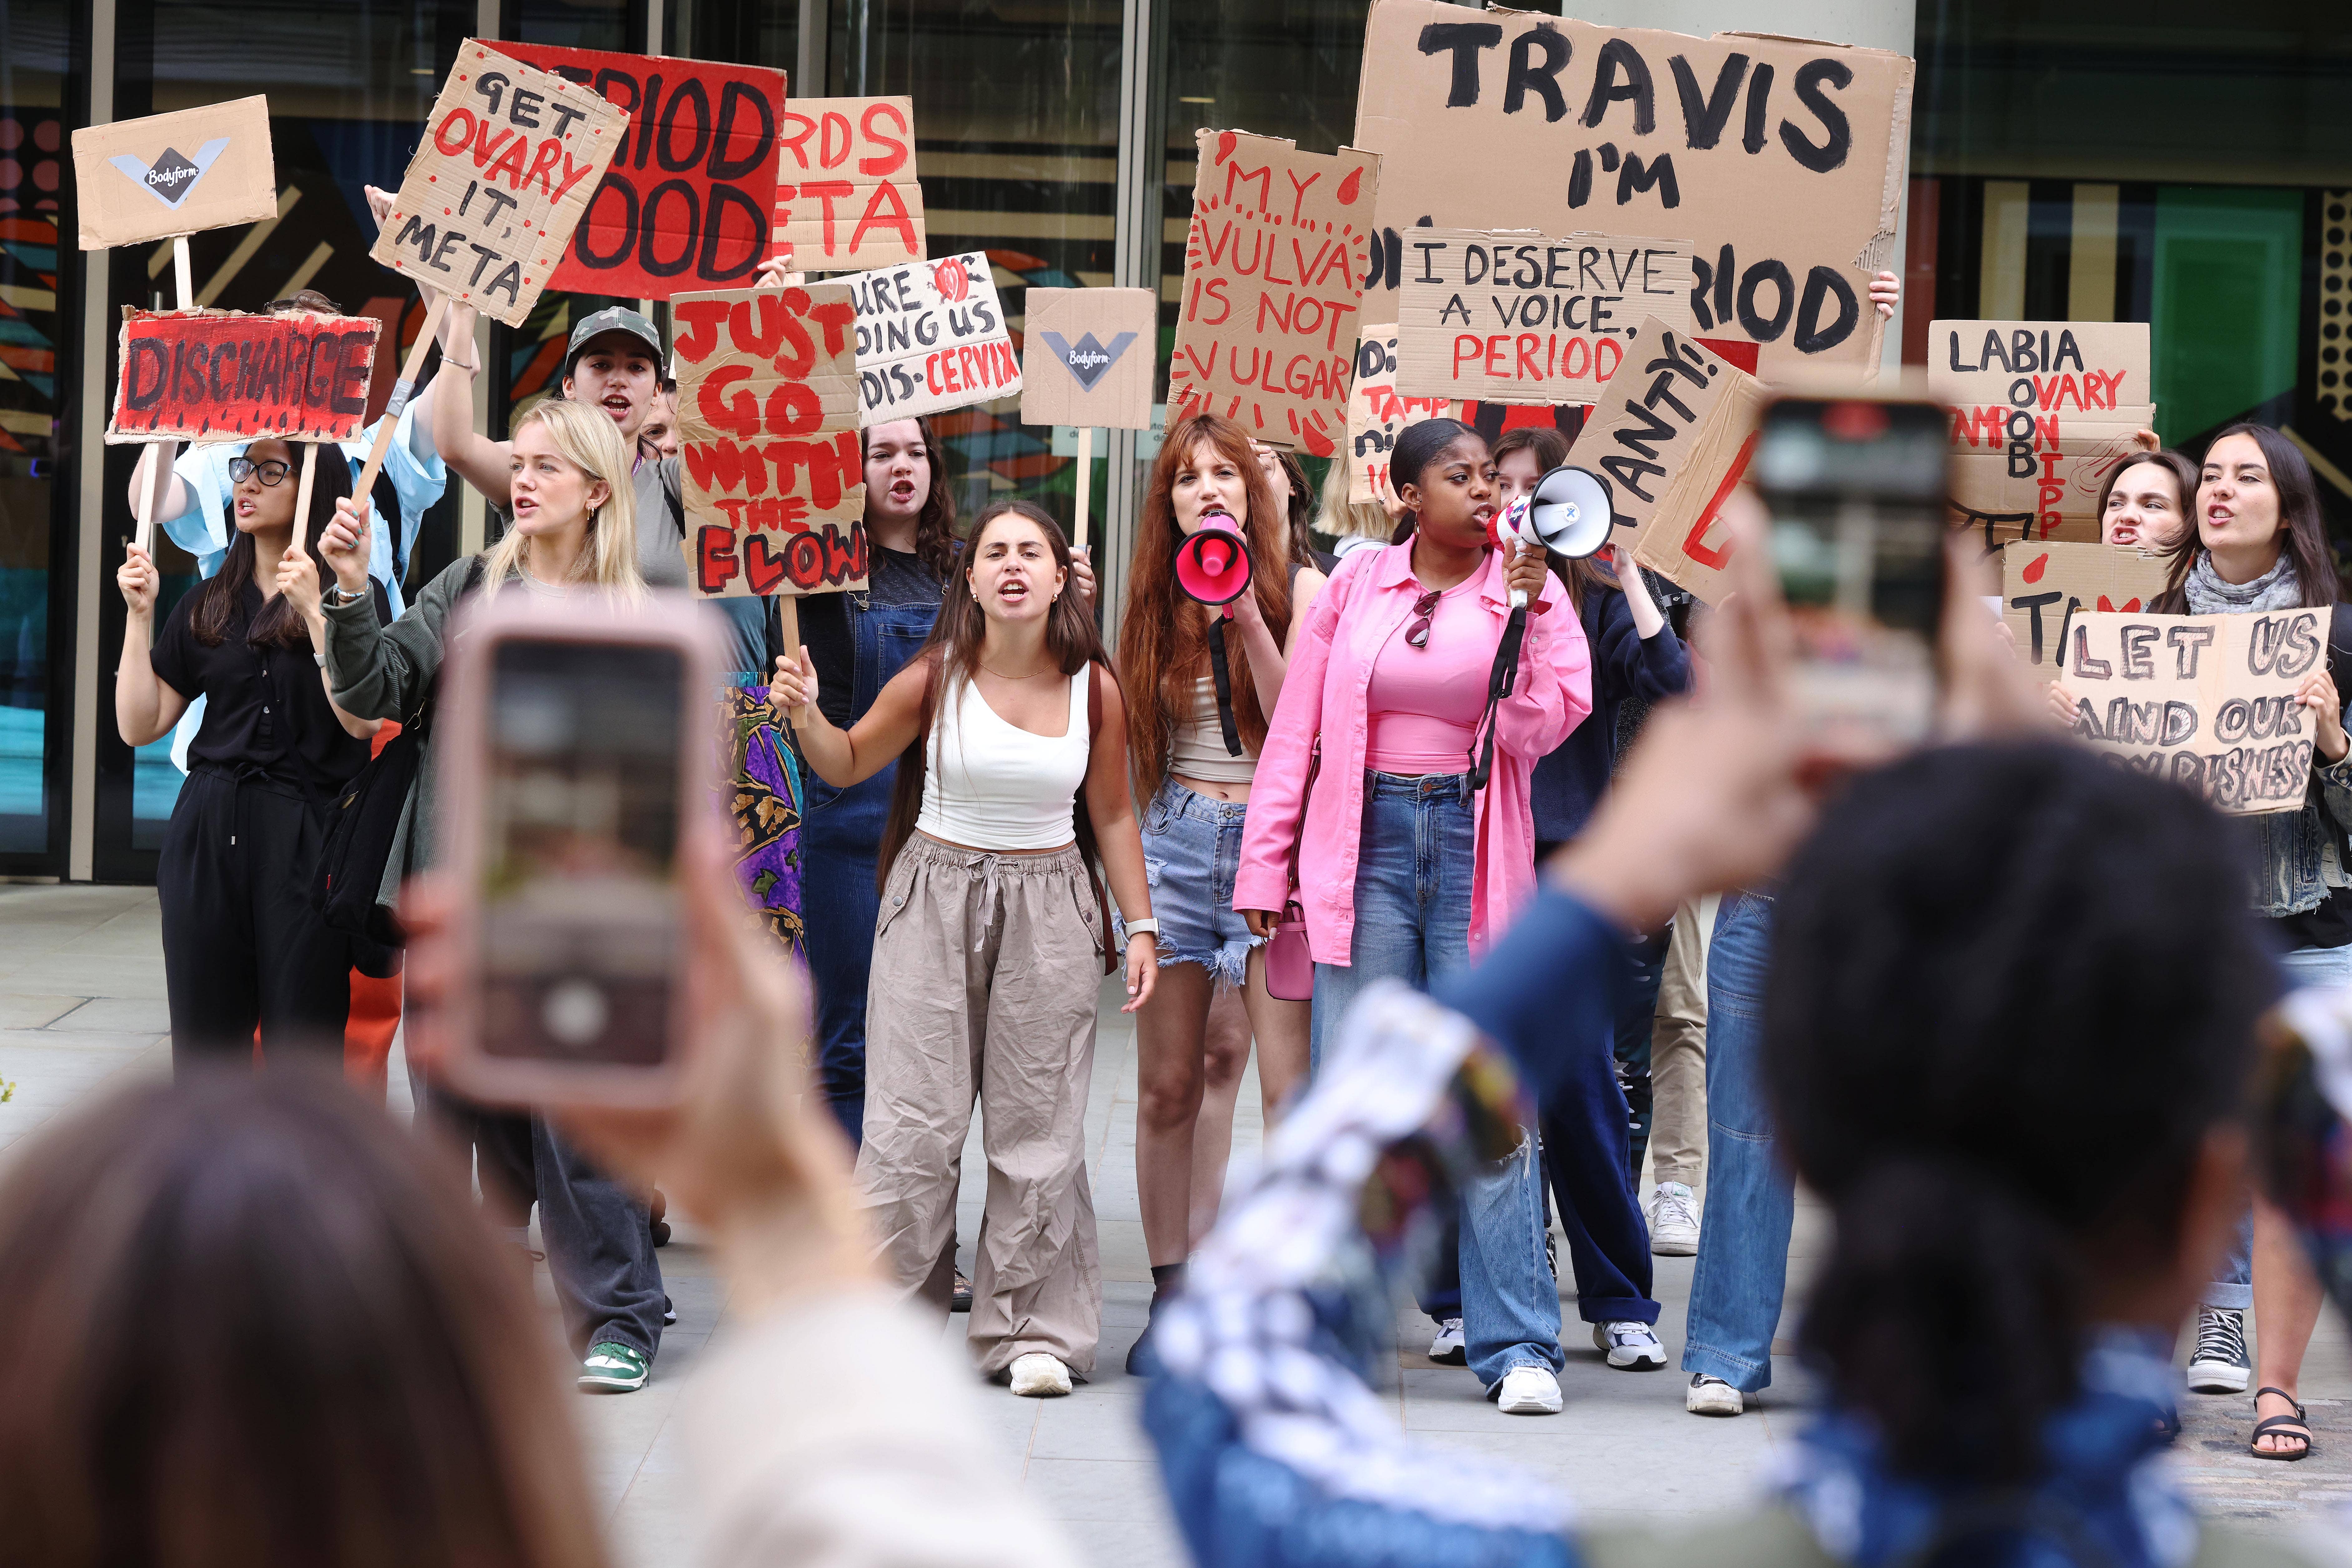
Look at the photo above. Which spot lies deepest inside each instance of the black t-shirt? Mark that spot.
(892, 577)
(2327, 925)
(264, 707)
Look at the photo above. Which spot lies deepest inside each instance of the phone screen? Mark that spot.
(580, 924)
(1856, 490)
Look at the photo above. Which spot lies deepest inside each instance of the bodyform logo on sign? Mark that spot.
(173, 174)
(1088, 359)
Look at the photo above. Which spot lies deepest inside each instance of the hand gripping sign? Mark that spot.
(930, 335)
(171, 174)
(684, 204)
(211, 375)
(847, 196)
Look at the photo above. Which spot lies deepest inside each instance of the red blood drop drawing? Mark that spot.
(1225, 141)
(2034, 574)
(1349, 187)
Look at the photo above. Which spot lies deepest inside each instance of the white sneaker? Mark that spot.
(1447, 1349)
(1674, 1220)
(1528, 1391)
(1040, 1376)
(1711, 1396)
(1631, 1347)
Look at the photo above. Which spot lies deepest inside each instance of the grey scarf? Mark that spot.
(2276, 589)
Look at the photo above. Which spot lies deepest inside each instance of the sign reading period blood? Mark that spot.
(166, 175)
(1273, 291)
(930, 335)
(847, 196)
(210, 375)
(1377, 414)
(684, 204)
(767, 423)
(511, 157)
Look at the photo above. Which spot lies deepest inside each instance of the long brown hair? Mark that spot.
(953, 652)
(935, 540)
(251, 1320)
(1582, 577)
(2298, 504)
(2184, 474)
(1163, 639)
(215, 607)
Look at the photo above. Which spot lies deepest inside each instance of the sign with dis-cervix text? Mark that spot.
(210, 375)
(1519, 318)
(930, 335)
(2207, 701)
(167, 174)
(1273, 291)
(1783, 162)
(1378, 413)
(1673, 435)
(847, 195)
(2043, 586)
(510, 158)
(767, 420)
(2042, 411)
(684, 204)
(1087, 357)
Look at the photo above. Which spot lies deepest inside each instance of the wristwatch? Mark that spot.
(336, 597)
(1147, 926)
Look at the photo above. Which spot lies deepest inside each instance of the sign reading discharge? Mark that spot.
(767, 423)
(2207, 701)
(1273, 292)
(930, 335)
(847, 196)
(1514, 318)
(209, 375)
(685, 204)
(511, 157)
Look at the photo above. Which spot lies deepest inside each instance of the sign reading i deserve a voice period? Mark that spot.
(1272, 293)
(211, 375)
(510, 156)
(847, 194)
(684, 204)
(930, 335)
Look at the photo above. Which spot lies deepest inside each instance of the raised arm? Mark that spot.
(481, 462)
(1269, 660)
(844, 757)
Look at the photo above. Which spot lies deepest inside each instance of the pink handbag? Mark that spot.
(1289, 966)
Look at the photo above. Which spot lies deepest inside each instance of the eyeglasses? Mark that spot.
(1424, 609)
(272, 470)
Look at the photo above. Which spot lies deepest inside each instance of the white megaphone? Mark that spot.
(1569, 510)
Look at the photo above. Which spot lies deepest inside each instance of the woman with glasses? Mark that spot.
(1389, 773)
(242, 947)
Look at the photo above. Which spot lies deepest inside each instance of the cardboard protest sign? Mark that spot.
(1378, 413)
(1087, 357)
(1273, 292)
(774, 481)
(685, 202)
(2207, 701)
(1673, 436)
(211, 375)
(847, 195)
(1782, 160)
(510, 156)
(1519, 318)
(2042, 586)
(2044, 486)
(167, 174)
(2042, 411)
(930, 335)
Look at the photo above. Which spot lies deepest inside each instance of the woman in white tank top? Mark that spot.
(1193, 1040)
(991, 946)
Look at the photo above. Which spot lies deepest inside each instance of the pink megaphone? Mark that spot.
(1213, 564)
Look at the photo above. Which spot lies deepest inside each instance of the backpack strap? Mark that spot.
(386, 499)
(1082, 821)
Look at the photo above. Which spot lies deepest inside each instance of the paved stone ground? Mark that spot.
(81, 1007)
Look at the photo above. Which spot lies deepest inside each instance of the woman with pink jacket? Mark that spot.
(1406, 871)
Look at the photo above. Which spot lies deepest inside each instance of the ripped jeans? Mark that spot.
(1192, 850)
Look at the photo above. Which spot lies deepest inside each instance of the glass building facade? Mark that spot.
(2159, 161)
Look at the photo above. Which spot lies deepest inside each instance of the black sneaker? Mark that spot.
(961, 1301)
(2221, 1364)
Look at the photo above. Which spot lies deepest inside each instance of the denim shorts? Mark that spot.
(1191, 851)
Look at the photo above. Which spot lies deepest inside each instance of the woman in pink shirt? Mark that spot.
(1405, 871)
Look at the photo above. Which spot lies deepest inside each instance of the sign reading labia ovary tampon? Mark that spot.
(509, 160)
(930, 335)
(211, 375)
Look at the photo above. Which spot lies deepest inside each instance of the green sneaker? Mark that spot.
(615, 1368)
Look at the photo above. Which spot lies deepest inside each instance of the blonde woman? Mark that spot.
(1355, 524)
(574, 533)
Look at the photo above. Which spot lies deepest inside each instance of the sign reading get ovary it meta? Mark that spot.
(774, 484)
(168, 174)
(930, 335)
(1784, 160)
(2044, 584)
(684, 204)
(511, 157)
(1273, 290)
(1378, 413)
(2042, 411)
(847, 194)
(1520, 318)
(2205, 700)
(210, 375)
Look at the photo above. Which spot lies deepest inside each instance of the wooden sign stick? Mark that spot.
(302, 497)
(181, 273)
(401, 390)
(788, 612)
(152, 493)
(1086, 483)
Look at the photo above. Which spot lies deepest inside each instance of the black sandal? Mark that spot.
(2275, 1425)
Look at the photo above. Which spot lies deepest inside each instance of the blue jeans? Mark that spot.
(841, 838)
(1412, 924)
(1742, 1270)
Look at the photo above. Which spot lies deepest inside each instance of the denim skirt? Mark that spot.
(1191, 851)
